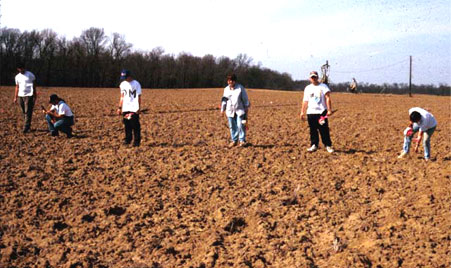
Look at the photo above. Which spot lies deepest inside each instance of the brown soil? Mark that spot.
(183, 199)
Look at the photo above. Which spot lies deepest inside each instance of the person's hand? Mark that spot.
(417, 144)
(302, 116)
(15, 99)
(329, 113)
(118, 111)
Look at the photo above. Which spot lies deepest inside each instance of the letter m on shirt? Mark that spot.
(132, 93)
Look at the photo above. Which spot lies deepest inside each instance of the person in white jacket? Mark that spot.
(235, 104)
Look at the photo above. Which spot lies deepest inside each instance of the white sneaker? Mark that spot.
(312, 149)
(329, 149)
(402, 155)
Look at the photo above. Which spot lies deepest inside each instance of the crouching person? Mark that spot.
(59, 117)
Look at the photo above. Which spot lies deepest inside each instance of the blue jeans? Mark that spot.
(64, 125)
(426, 140)
(237, 129)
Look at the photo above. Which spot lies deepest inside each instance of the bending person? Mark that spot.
(424, 123)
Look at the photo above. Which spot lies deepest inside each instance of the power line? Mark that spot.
(372, 69)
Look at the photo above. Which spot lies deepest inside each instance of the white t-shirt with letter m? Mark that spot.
(131, 92)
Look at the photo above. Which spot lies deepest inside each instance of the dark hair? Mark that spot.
(20, 65)
(231, 77)
(415, 116)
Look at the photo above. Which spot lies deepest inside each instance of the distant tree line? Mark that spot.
(395, 88)
(95, 60)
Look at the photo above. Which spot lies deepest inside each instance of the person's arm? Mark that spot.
(304, 109)
(52, 112)
(328, 103)
(55, 115)
(35, 92)
(245, 100)
(119, 109)
(16, 93)
(139, 103)
(418, 140)
(224, 100)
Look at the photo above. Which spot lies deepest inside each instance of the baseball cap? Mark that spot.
(313, 74)
(53, 98)
(124, 74)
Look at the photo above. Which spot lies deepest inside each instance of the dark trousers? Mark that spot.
(132, 129)
(27, 104)
(315, 127)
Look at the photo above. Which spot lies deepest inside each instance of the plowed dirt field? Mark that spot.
(183, 199)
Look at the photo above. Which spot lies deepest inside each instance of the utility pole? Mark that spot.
(325, 73)
(410, 78)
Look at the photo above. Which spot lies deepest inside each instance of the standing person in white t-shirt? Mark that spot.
(424, 123)
(59, 117)
(26, 92)
(129, 107)
(318, 105)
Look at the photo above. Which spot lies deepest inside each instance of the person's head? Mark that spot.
(415, 117)
(126, 75)
(54, 99)
(313, 76)
(231, 80)
(20, 67)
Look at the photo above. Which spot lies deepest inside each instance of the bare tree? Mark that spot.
(118, 47)
(94, 41)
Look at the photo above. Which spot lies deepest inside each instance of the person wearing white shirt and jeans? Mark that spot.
(129, 107)
(235, 104)
(424, 123)
(59, 117)
(317, 104)
(26, 92)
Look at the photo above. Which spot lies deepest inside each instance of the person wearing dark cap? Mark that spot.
(26, 93)
(59, 117)
(318, 107)
(129, 107)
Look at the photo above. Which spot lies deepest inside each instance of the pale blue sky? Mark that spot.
(369, 40)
